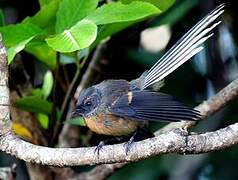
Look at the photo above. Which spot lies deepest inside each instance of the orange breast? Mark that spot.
(111, 125)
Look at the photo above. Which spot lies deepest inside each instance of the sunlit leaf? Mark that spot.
(78, 37)
(72, 11)
(47, 84)
(34, 104)
(14, 34)
(119, 12)
(161, 4)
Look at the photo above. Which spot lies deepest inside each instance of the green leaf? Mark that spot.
(72, 11)
(12, 51)
(2, 20)
(44, 2)
(78, 37)
(36, 92)
(79, 121)
(161, 4)
(42, 52)
(15, 37)
(107, 30)
(118, 12)
(45, 18)
(43, 120)
(34, 104)
(15, 34)
(47, 84)
(176, 13)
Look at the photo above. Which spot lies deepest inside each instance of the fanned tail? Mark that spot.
(189, 45)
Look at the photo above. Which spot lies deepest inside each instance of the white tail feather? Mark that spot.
(184, 49)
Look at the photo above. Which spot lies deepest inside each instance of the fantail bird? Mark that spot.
(120, 108)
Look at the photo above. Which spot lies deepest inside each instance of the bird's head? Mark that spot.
(87, 103)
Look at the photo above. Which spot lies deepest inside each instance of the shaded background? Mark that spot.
(130, 52)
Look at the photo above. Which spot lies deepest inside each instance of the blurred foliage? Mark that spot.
(50, 47)
(21, 131)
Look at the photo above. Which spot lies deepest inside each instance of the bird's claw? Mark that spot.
(128, 145)
(99, 147)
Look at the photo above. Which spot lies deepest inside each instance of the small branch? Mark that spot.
(88, 75)
(66, 100)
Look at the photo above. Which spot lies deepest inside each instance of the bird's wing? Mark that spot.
(189, 45)
(152, 106)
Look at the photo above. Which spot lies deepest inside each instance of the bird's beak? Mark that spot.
(75, 114)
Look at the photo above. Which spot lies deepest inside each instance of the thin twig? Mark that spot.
(65, 103)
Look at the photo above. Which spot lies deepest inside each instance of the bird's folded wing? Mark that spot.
(152, 106)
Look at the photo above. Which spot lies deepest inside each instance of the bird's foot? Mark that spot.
(139, 135)
(127, 145)
(107, 142)
(99, 147)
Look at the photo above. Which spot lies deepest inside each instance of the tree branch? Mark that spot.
(99, 172)
(5, 123)
(174, 141)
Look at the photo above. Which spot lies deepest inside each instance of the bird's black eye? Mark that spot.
(88, 103)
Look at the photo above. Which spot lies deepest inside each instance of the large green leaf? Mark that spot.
(110, 29)
(15, 37)
(161, 4)
(119, 12)
(34, 104)
(72, 11)
(42, 52)
(78, 37)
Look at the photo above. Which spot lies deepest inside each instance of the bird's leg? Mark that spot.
(139, 135)
(110, 141)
